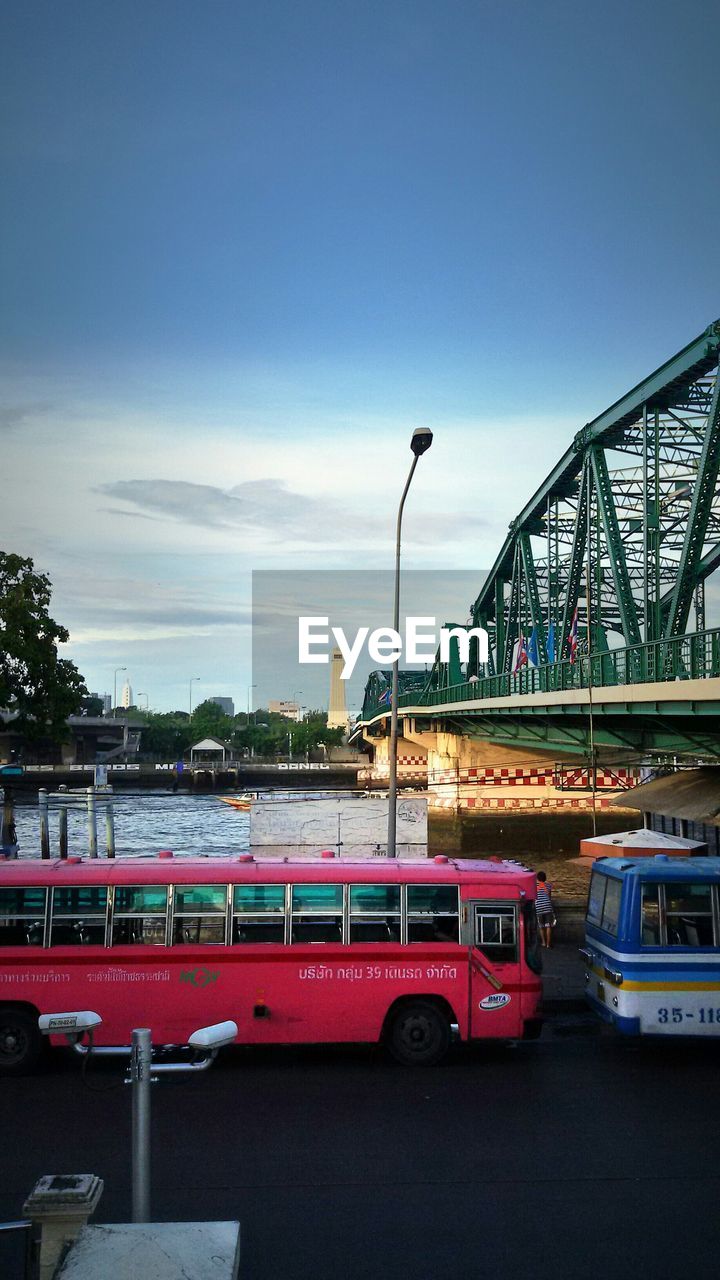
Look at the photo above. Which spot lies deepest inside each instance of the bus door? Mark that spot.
(491, 935)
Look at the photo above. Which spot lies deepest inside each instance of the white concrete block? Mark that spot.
(155, 1251)
(352, 826)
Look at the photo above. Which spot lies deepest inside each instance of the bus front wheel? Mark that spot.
(418, 1034)
(20, 1041)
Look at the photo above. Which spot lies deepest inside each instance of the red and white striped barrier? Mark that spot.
(507, 802)
(609, 779)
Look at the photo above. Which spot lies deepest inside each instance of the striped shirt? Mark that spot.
(543, 901)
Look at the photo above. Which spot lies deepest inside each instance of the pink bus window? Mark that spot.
(199, 912)
(78, 916)
(140, 915)
(258, 913)
(432, 913)
(375, 913)
(22, 917)
(317, 913)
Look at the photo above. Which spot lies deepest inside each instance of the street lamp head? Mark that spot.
(422, 438)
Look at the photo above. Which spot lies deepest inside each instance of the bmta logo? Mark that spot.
(201, 977)
(495, 1002)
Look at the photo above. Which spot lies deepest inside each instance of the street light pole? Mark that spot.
(421, 440)
(147, 700)
(190, 685)
(115, 676)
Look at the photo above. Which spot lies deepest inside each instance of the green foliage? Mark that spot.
(92, 706)
(170, 735)
(269, 734)
(165, 734)
(210, 721)
(34, 681)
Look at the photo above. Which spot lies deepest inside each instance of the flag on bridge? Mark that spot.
(385, 699)
(533, 649)
(573, 636)
(522, 657)
(550, 646)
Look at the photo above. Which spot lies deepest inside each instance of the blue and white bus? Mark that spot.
(652, 951)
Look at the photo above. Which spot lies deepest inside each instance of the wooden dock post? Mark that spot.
(109, 823)
(92, 822)
(44, 825)
(63, 825)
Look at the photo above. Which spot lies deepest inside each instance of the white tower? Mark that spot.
(337, 712)
(126, 697)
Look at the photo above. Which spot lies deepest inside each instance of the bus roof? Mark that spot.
(661, 867)
(185, 869)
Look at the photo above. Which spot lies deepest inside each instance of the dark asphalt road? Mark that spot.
(577, 1156)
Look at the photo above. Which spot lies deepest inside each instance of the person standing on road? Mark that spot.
(544, 908)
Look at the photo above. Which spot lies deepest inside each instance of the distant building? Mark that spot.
(337, 711)
(106, 699)
(282, 707)
(126, 697)
(225, 704)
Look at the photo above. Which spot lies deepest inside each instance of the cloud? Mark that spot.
(256, 505)
(269, 507)
(12, 415)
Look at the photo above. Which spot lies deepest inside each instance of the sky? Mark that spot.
(247, 248)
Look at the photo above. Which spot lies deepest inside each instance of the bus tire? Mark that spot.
(20, 1040)
(418, 1033)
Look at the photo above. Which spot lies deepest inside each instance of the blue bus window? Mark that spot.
(650, 916)
(597, 897)
(611, 906)
(688, 912)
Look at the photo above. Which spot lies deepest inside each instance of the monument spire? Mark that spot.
(337, 711)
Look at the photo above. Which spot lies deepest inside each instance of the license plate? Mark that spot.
(601, 992)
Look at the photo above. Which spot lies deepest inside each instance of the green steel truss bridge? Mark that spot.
(625, 530)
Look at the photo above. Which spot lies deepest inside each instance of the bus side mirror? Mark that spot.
(52, 1024)
(214, 1037)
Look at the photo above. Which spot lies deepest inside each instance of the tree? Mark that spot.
(35, 682)
(92, 706)
(165, 734)
(210, 721)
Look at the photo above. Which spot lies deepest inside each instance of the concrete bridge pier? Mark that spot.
(411, 757)
(458, 766)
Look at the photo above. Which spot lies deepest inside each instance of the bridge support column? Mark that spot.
(412, 762)
(458, 767)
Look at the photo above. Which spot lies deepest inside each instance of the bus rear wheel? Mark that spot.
(418, 1034)
(20, 1041)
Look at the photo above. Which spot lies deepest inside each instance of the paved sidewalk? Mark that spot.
(563, 979)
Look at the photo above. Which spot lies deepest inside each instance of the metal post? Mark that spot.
(645, 531)
(549, 564)
(588, 581)
(44, 825)
(109, 823)
(8, 833)
(62, 825)
(92, 822)
(392, 781)
(62, 832)
(657, 625)
(140, 1071)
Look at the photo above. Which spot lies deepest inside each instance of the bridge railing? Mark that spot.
(691, 657)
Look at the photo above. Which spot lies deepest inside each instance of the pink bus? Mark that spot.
(307, 952)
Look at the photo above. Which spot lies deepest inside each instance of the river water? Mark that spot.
(145, 822)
